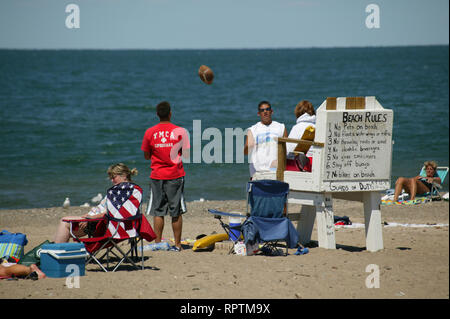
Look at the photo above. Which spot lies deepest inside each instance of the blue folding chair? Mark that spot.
(266, 223)
(434, 194)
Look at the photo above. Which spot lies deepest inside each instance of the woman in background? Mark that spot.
(306, 116)
(418, 184)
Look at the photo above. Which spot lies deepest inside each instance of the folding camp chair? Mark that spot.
(123, 221)
(434, 194)
(266, 222)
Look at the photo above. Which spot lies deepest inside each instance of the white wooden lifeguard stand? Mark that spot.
(352, 154)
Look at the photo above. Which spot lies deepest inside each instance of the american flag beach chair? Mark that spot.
(123, 221)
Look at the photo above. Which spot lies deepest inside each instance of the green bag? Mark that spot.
(33, 256)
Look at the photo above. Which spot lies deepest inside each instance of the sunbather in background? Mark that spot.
(419, 184)
(306, 116)
(118, 173)
(8, 270)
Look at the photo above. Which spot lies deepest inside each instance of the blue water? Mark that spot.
(67, 115)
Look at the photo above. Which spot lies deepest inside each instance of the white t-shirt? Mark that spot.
(297, 131)
(263, 156)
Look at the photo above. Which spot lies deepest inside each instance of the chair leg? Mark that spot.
(92, 257)
(97, 260)
(132, 255)
(133, 249)
(107, 258)
(135, 253)
(126, 257)
(227, 230)
(142, 253)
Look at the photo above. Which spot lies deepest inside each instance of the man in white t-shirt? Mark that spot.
(261, 143)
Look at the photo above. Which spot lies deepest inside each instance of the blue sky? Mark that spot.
(190, 24)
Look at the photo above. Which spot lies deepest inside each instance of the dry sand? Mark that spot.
(413, 264)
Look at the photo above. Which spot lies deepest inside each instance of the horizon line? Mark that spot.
(231, 48)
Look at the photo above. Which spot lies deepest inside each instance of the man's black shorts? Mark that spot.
(167, 197)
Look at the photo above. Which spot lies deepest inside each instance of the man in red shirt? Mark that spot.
(164, 144)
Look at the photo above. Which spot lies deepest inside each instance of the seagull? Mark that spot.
(97, 199)
(66, 202)
(85, 205)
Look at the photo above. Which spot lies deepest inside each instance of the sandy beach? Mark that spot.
(413, 264)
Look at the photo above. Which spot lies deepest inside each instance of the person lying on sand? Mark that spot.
(11, 270)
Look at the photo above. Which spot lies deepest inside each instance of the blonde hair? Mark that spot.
(430, 163)
(304, 107)
(121, 169)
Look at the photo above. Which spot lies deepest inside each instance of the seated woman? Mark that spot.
(118, 173)
(418, 184)
(10, 270)
(306, 116)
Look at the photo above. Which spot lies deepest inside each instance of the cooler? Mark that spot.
(234, 222)
(55, 259)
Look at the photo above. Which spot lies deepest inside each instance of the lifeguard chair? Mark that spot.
(352, 154)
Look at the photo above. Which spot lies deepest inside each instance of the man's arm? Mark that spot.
(249, 142)
(186, 153)
(185, 149)
(145, 146)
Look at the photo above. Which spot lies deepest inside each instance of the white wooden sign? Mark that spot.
(351, 160)
(357, 149)
(358, 146)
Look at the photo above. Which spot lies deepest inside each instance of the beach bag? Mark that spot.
(33, 256)
(12, 244)
(342, 220)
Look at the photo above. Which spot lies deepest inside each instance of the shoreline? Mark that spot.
(443, 191)
(413, 264)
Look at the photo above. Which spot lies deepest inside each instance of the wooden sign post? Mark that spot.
(352, 153)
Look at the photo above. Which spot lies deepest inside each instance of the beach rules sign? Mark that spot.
(351, 160)
(358, 145)
(355, 151)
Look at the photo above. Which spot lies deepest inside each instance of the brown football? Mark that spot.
(206, 74)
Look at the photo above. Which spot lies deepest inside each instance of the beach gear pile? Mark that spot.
(12, 245)
(341, 221)
(417, 200)
(403, 199)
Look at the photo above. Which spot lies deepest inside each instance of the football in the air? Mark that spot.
(206, 74)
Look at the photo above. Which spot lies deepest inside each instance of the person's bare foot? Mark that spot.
(35, 268)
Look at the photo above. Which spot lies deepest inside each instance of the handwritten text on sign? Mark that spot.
(358, 145)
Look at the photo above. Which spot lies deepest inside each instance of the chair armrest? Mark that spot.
(218, 212)
(74, 225)
(437, 185)
(131, 218)
(82, 220)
